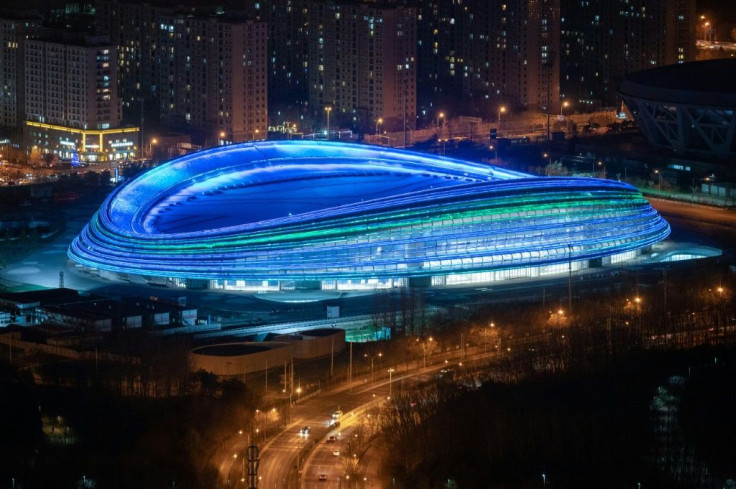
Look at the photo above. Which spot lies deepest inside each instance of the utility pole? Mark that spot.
(569, 280)
(253, 459)
(350, 367)
(664, 273)
(406, 102)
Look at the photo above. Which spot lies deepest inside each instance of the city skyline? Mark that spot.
(366, 66)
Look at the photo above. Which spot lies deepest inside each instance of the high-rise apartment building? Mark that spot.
(604, 40)
(356, 58)
(15, 28)
(71, 99)
(476, 55)
(200, 71)
(72, 83)
(361, 63)
(288, 86)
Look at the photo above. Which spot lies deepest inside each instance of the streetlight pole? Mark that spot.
(328, 109)
(371, 369)
(372, 357)
(501, 110)
(350, 367)
(565, 104)
(153, 143)
(390, 371)
(379, 121)
(424, 349)
(569, 280)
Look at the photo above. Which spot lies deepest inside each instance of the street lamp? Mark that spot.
(501, 110)
(660, 179)
(328, 109)
(569, 279)
(565, 104)
(390, 371)
(440, 118)
(379, 121)
(255, 134)
(424, 345)
(154, 142)
(722, 321)
(372, 357)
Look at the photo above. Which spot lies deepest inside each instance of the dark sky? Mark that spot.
(724, 11)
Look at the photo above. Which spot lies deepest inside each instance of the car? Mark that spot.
(331, 439)
(305, 430)
(322, 477)
(446, 372)
(336, 453)
(337, 414)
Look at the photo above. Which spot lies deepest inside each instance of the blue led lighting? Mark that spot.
(303, 210)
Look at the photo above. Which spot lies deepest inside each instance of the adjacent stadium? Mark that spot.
(286, 215)
(688, 107)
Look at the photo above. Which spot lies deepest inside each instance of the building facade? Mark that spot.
(199, 71)
(477, 55)
(15, 28)
(361, 64)
(602, 41)
(72, 108)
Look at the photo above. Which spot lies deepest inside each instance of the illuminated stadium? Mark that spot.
(292, 215)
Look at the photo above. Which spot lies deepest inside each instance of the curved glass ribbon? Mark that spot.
(302, 210)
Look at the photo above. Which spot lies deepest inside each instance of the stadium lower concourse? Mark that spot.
(293, 215)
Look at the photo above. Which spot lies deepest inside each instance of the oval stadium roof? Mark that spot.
(301, 210)
(708, 83)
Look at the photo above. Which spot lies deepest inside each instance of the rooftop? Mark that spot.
(711, 82)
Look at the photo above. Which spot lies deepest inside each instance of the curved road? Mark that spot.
(313, 454)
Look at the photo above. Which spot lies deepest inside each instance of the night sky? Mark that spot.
(723, 11)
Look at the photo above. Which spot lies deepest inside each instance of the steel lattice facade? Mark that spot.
(689, 108)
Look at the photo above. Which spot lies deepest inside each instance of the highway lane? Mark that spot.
(283, 452)
(288, 449)
(707, 225)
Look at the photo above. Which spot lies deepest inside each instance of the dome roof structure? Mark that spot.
(689, 108)
(329, 211)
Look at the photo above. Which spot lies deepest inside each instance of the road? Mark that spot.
(711, 226)
(313, 454)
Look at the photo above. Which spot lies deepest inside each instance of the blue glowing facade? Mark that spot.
(270, 215)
